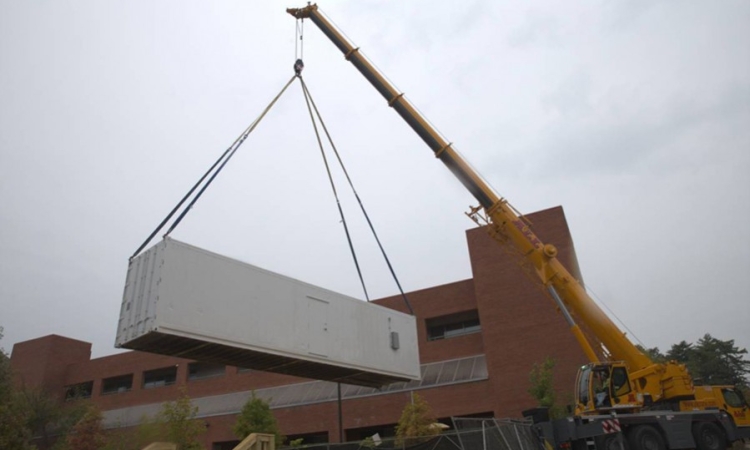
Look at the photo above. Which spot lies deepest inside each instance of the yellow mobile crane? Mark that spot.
(655, 405)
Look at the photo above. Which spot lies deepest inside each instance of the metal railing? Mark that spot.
(495, 434)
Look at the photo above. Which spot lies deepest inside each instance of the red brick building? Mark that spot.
(478, 340)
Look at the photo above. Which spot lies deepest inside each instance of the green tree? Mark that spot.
(681, 352)
(417, 423)
(542, 388)
(256, 417)
(720, 362)
(149, 430)
(713, 361)
(14, 434)
(43, 414)
(653, 353)
(180, 425)
(49, 418)
(87, 433)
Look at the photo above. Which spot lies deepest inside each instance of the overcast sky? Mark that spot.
(634, 116)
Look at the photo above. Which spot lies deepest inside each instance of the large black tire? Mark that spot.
(611, 442)
(646, 437)
(708, 436)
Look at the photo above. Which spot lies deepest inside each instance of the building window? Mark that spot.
(80, 390)
(159, 377)
(200, 370)
(114, 385)
(453, 325)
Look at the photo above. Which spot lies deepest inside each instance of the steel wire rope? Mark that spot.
(299, 28)
(306, 94)
(356, 196)
(617, 318)
(225, 157)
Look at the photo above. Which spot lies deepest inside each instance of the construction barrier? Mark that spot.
(467, 434)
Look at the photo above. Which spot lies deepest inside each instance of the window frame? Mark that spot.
(192, 377)
(120, 389)
(453, 325)
(72, 391)
(153, 384)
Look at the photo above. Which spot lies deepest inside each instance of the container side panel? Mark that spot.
(183, 301)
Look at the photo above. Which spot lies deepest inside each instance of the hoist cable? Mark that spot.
(299, 28)
(224, 157)
(333, 187)
(356, 195)
(179, 204)
(226, 160)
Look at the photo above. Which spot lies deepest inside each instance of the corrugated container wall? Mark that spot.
(183, 301)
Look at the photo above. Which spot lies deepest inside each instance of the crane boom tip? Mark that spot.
(302, 13)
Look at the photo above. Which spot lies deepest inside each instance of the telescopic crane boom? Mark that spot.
(635, 381)
(504, 221)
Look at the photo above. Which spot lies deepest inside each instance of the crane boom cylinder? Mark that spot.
(582, 341)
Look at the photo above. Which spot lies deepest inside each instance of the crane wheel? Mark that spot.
(708, 436)
(611, 442)
(646, 437)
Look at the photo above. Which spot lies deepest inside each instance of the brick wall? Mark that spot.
(44, 362)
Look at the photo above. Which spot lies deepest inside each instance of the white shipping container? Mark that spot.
(183, 301)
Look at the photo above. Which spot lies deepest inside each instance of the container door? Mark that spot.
(317, 320)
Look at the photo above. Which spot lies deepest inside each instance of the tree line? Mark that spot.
(710, 361)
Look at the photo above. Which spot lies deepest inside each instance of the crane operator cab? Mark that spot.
(603, 387)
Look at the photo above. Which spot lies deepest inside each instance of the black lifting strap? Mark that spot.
(310, 101)
(223, 159)
(333, 187)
